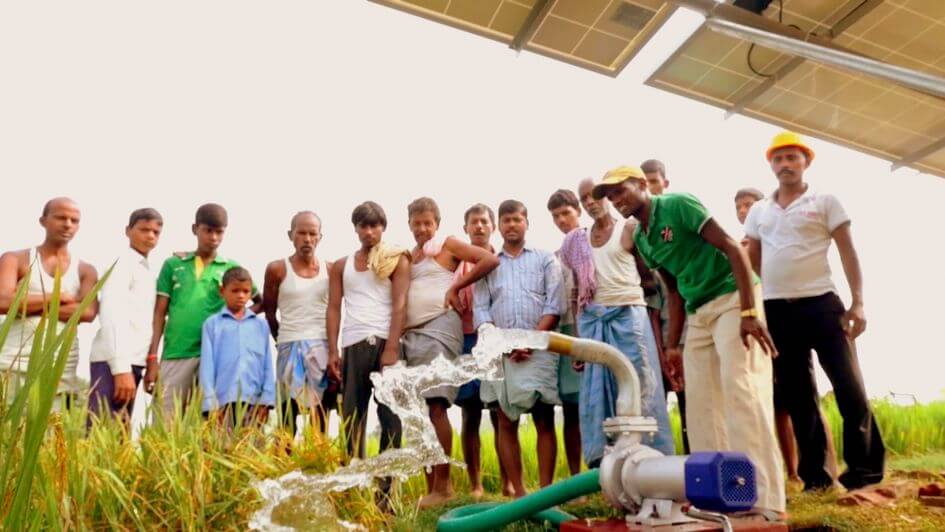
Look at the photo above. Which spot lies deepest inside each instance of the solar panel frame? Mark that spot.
(885, 123)
(595, 36)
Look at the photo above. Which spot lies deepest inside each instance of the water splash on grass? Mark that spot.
(297, 499)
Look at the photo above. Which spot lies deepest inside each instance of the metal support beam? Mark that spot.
(537, 15)
(856, 9)
(919, 81)
(853, 16)
(746, 25)
(919, 154)
(762, 88)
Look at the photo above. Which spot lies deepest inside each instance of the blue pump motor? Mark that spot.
(721, 481)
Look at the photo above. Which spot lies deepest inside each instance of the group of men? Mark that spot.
(639, 282)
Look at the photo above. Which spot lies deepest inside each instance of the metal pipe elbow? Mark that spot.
(628, 382)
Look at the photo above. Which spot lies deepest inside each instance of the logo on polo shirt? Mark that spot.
(667, 234)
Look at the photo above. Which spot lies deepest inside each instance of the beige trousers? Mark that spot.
(729, 394)
(177, 383)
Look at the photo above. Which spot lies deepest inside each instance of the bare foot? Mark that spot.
(477, 492)
(434, 499)
(508, 490)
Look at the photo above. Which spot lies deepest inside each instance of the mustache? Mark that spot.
(785, 171)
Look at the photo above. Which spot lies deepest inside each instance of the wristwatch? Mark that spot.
(750, 313)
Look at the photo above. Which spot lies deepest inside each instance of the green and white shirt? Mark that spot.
(193, 299)
(673, 242)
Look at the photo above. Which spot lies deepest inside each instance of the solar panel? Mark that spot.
(599, 35)
(875, 116)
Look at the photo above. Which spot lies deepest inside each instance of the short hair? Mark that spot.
(296, 216)
(564, 197)
(479, 208)
(49, 204)
(369, 213)
(211, 215)
(749, 192)
(511, 206)
(423, 204)
(234, 274)
(652, 165)
(146, 214)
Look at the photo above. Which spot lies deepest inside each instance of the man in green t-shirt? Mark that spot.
(188, 292)
(726, 356)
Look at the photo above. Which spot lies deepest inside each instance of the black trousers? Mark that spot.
(357, 363)
(815, 323)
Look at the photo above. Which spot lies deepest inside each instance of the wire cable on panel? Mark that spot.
(751, 47)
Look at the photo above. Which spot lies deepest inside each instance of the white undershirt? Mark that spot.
(367, 301)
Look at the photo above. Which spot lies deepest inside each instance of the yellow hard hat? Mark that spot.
(615, 177)
(787, 139)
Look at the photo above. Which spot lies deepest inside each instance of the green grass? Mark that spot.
(184, 474)
(187, 474)
(907, 430)
(594, 507)
(807, 511)
(913, 435)
(819, 511)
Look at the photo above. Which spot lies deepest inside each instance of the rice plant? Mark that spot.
(185, 473)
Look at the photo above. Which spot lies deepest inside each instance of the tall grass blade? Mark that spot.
(41, 391)
(19, 300)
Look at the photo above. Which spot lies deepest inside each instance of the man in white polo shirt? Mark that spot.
(789, 236)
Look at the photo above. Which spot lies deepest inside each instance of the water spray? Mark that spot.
(652, 489)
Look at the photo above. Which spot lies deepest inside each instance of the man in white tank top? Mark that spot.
(37, 267)
(434, 326)
(297, 288)
(375, 311)
(618, 315)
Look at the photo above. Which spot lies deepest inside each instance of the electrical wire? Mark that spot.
(751, 48)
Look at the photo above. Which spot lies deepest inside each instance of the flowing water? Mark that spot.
(299, 500)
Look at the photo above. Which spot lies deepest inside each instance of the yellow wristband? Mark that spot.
(750, 313)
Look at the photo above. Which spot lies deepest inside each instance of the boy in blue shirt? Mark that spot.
(235, 356)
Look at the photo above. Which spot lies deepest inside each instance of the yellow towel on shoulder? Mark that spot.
(383, 258)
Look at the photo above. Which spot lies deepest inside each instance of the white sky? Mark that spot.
(273, 107)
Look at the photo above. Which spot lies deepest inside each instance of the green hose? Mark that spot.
(553, 516)
(538, 505)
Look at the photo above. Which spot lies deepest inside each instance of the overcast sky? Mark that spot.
(273, 107)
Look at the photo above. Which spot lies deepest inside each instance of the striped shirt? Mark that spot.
(520, 291)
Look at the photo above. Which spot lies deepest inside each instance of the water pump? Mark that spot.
(652, 488)
(665, 490)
